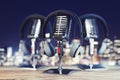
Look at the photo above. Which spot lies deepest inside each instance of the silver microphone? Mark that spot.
(34, 34)
(91, 33)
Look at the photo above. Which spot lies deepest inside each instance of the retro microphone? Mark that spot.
(34, 24)
(61, 30)
(91, 34)
(91, 28)
(34, 35)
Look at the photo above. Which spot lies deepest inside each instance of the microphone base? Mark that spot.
(64, 71)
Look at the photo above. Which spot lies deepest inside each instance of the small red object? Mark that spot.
(59, 50)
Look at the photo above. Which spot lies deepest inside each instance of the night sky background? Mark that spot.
(13, 12)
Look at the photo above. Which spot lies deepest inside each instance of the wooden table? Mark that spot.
(14, 73)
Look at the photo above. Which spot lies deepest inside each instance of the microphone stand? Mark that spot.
(34, 62)
(60, 54)
(91, 41)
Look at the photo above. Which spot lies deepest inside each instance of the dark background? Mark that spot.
(13, 12)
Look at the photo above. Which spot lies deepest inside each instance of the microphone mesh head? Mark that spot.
(35, 30)
(61, 27)
(91, 28)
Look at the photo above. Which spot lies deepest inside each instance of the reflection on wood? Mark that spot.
(27, 74)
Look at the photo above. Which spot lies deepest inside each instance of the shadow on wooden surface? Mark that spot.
(30, 74)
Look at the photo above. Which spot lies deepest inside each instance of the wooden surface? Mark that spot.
(29, 74)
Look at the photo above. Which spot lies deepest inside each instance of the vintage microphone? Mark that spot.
(33, 36)
(61, 31)
(90, 30)
(35, 28)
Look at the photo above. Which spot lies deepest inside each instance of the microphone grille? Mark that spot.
(61, 27)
